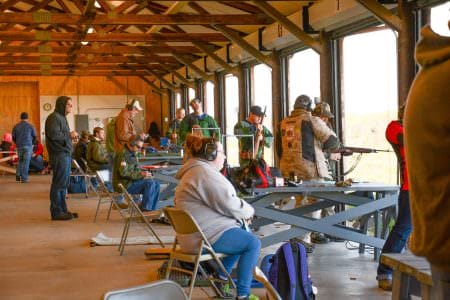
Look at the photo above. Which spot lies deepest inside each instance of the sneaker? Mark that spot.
(385, 284)
(318, 238)
(224, 288)
(63, 217)
(249, 297)
(74, 214)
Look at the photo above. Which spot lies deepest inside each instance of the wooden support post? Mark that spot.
(241, 85)
(326, 75)
(276, 98)
(406, 44)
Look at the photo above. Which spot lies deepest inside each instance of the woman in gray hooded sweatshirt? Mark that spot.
(211, 199)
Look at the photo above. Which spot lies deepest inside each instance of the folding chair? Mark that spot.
(272, 293)
(106, 196)
(163, 289)
(184, 223)
(87, 178)
(135, 214)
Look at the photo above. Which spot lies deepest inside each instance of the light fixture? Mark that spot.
(97, 5)
(90, 30)
(84, 43)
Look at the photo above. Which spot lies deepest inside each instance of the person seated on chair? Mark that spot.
(97, 156)
(37, 163)
(80, 149)
(126, 171)
(213, 202)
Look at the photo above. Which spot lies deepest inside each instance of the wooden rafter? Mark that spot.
(289, 25)
(178, 76)
(246, 46)
(193, 67)
(162, 80)
(382, 13)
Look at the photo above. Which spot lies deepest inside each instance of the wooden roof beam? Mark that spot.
(111, 37)
(169, 85)
(193, 67)
(384, 14)
(127, 19)
(216, 58)
(178, 76)
(246, 46)
(175, 8)
(289, 25)
(154, 86)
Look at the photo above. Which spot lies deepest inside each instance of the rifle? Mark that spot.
(256, 134)
(347, 151)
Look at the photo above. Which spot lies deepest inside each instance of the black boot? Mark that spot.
(18, 178)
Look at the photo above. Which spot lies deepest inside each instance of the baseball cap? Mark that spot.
(256, 110)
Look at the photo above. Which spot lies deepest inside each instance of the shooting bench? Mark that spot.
(412, 275)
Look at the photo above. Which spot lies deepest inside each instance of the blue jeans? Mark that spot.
(60, 180)
(243, 246)
(397, 238)
(37, 163)
(24, 154)
(149, 190)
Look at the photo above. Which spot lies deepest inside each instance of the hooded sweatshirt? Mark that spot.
(211, 199)
(57, 131)
(427, 147)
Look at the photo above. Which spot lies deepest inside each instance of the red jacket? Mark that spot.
(394, 135)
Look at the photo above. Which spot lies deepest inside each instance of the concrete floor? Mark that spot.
(43, 259)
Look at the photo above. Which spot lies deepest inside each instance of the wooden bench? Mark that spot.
(411, 276)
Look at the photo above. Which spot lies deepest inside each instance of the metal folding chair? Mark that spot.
(163, 289)
(135, 214)
(107, 196)
(87, 177)
(184, 223)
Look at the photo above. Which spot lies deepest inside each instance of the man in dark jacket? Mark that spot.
(59, 147)
(23, 135)
(97, 156)
(127, 172)
(80, 151)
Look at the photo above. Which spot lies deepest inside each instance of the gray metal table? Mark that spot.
(365, 199)
(160, 158)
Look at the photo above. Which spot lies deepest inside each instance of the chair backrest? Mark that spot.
(77, 167)
(86, 167)
(130, 199)
(182, 221)
(163, 289)
(103, 175)
(261, 277)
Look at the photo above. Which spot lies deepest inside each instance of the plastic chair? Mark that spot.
(272, 293)
(184, 223)
(106, 196)
(163, 289)
(136, 215)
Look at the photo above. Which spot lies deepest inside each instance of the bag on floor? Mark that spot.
(77, 185)
(287, 270)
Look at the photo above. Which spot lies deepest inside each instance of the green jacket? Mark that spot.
(97, 156)
(246, 144)
(126, 168)
(110, 135)
(204, 121)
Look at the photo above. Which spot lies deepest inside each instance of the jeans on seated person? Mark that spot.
(399, 234)
(149, 190)
(37, 163)
(240, 245)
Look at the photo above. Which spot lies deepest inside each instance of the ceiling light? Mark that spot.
(84, 43)
(96, 4)
(90, 30)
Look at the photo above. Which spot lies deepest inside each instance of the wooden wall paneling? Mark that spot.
(15, 98)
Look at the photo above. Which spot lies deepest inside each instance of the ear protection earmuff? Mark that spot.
(210, 152)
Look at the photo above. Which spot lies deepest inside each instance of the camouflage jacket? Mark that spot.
(126, 168)
(204, 121)
(246, 143)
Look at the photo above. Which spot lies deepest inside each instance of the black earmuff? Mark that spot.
(210, 152)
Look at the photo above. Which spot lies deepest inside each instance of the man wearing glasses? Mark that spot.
(59, 146)
(126, 171)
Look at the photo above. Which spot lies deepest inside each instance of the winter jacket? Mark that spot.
(124, 130)
(204, 121)
(97, 156)
(246, 144)
(126, 168)
(57, 131)
(427, 147)
(211, 199)
(24, 134)
(303, 137)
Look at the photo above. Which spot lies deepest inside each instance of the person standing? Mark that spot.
(303, 140)
(200, 121)
(427, 147)
(124, 130)
(252, 148)
(59, 147)
(24, 135)
(399, 234)
(174, 126)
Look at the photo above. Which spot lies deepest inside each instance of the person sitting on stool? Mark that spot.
(127, 172)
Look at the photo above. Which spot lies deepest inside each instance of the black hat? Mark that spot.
(256, 110)
(24, 116)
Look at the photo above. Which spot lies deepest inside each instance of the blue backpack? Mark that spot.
(287, 271)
